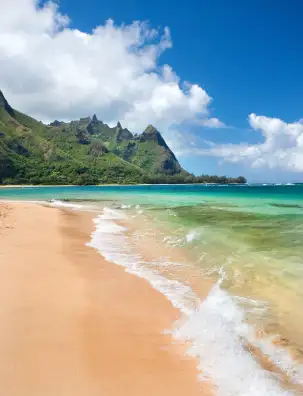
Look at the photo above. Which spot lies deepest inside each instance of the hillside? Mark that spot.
(80, 152)
(147, 151)
(85, 151)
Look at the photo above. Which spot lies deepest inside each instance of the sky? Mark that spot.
(221, 80)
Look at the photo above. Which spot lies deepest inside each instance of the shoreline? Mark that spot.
(118, 185)
(75, 320)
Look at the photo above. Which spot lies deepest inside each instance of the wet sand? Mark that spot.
(73, 324)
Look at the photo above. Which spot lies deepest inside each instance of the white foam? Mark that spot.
(170, 212)
(178, 241)
(173, 241)
(280, 357)
(139, 210)
(192, 235)
(112, 242)
(111, 214)
(58, 203)
(215, 327)
(218, 335)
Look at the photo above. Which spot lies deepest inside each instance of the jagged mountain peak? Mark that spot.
(5, 105)
(3, 101)
(85, 120)
(56, 123)
(151, 133)
(122, 133)
(85, 151)
(150, 129)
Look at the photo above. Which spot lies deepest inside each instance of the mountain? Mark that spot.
(148, 151)
(85, 151)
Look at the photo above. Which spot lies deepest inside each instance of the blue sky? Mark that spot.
(247, 56)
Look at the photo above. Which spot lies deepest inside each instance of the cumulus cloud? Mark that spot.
(52, 71)
(282, 146)
(212, 123)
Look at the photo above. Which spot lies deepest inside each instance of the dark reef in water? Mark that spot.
(281, 205)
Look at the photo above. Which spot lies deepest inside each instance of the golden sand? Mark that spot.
(73, 324)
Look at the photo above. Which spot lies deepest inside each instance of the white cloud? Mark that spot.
(282, 146)
(54, 72)
(212, 123)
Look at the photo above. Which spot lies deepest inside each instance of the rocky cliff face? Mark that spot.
(81, 151)
(85, 151)
(148, 150)
(60, 153)
(122, 134)
(5, 105)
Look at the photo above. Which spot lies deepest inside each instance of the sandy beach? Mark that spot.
(74, 324)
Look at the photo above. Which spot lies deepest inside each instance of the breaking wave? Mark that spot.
(216, 328)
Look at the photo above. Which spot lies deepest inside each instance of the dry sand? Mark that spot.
(73, 324)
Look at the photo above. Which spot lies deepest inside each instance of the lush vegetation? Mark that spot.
(86, 151)
(192, 179)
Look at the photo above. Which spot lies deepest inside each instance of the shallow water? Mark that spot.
(241, 244)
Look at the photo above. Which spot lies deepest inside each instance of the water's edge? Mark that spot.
(216, 330)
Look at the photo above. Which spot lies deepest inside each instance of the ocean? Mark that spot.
(229, 257)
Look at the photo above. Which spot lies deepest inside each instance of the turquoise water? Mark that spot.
(254, 196)
(245, 240)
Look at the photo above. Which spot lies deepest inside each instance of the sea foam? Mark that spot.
(112, 241)
(63, 204)
(179, 241)
(218, 336)
(215, 327)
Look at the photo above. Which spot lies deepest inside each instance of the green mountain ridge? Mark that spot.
(85, 151)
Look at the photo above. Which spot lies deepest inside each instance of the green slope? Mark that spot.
(147, 151)
(85, 151)
(31, 152)
(150, 152)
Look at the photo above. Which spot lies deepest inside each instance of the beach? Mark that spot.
(151, 290)
(73, 323)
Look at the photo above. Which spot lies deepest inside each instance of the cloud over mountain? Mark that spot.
(52, 71)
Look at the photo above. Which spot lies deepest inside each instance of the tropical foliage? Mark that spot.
(86, 151)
